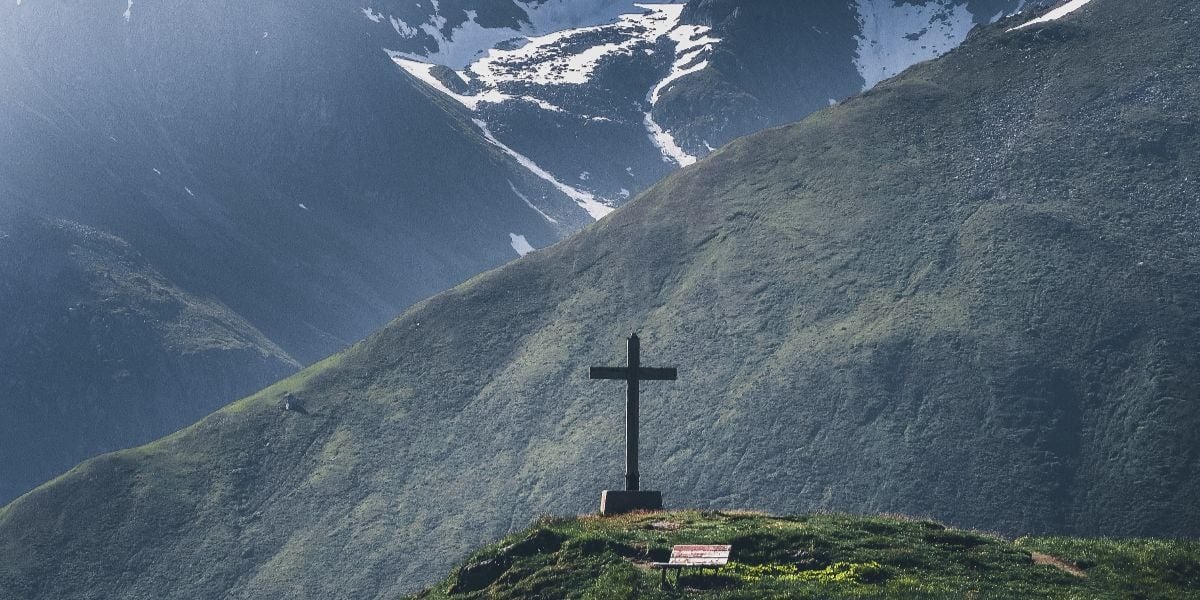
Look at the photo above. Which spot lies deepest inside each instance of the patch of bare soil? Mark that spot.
(664, 525)
(1058, 563)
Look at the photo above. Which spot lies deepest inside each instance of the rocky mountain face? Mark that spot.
(968, 294)
(197, 198)
(276, 164)
(609, 96)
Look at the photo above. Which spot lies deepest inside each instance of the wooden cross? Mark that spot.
(633, 374)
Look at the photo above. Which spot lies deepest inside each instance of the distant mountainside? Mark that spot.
(89, 323)
(969, 294)
(273, 163)
(183, 172)
(608, 96)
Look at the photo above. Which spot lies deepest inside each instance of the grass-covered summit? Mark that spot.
(826, 556)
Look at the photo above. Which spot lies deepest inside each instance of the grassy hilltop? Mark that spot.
(815, 556)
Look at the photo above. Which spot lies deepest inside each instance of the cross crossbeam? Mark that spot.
(642, 374)
(633, 375)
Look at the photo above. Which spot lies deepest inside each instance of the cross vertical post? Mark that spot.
(631, 415)
(633, 374)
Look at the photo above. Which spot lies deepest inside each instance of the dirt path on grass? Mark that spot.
(1058, 563)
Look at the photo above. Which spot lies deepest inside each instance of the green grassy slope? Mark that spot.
(815, 556)
(969, 294)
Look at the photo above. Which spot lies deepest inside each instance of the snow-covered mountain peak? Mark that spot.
(628, 90)
(521, 67)
(557, 72)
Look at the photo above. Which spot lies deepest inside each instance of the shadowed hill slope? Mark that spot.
(970, 293)
(266, 159)
(109, 347)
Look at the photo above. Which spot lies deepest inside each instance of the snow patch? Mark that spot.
(587, 201)
(1055, 14)
(402, 28)
(375, 17)
(461, 45)
(556, 58)
(691, 42)
(665, 142)
(423, 72)
(525, 198)
(895, 36)
(542, 104)
(520, 244)
(550, 59)
(465, 43)
(128, 10)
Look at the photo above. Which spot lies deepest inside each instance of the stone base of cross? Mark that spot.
(614, 502)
